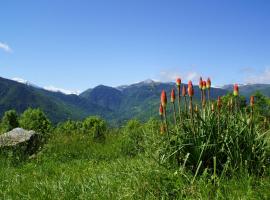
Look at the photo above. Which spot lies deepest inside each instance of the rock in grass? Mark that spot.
(27, 142)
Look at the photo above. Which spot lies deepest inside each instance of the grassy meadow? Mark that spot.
(201, 150)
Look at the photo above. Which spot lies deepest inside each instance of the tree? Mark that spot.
(9, 121)
(35, 119)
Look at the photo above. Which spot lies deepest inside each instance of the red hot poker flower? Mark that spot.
(201, 83)
(235, 90)
(172, 96)
(184, 91)
(160, 110)
(252, 101)
(163, 99)
(204, 85)
(178, 82)
(196, 108)
(208, 83)
(213, 107)
(219, 103)
(190, 89)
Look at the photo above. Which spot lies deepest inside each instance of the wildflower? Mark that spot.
(252, 101)
(204, 85)
(231, 102)
(162, 129)
(208, 83)
(172, 96)
(184, 91)
(219, 103)
(161, 110)
(190, 89)
(235, 90)
(178, 82)
(196, 108)
(201, 83)
(213, 107)
(163, 99)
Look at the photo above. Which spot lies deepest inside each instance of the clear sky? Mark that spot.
(78, 44)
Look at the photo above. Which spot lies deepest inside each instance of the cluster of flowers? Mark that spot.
(203, 86)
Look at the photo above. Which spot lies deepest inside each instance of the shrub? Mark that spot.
(95, 126)
(9, 121)
(35, 119)
(69, 126)
(133, 138)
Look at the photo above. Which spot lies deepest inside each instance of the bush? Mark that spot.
(36, 120)
(9, 121)
(96, 127)
(69, 127)
(133, 138)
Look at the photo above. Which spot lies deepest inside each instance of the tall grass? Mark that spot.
(217, 138)
(73, 166)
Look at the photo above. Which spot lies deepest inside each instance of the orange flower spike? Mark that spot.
(208, 83)
(235, 90)
(252, 101)
(162, 129)
(172, 96)
(184, 91)
(213, 107)
(201, 83)
(163, 99)
(231, 102)
(161, 110)
(190, 89)
(178, 82)
(219, 103)
(204, 85)
(196, 108)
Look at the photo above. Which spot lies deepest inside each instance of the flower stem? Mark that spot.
(179, 103)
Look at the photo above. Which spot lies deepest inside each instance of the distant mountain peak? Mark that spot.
(64, 91)
(48, 88)
(26, 82)
(148, 81)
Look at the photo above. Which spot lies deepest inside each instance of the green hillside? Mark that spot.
(57, 106)
(117, 105)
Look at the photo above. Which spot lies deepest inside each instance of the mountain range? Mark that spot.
(139, 100)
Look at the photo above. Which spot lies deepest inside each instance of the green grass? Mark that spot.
(72, 166)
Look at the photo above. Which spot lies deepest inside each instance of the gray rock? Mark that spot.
(18, 138)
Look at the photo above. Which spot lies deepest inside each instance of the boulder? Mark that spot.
(27, 142)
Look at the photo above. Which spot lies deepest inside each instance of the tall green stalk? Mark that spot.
(179, 102)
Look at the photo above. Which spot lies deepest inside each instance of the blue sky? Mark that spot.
(78, 44)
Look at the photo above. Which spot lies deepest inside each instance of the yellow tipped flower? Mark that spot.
(163, 99)
(184, 91)
(219, 103)
(178, 82)
(196, 108)
(203, 85)
(235, 90)
(213, 107)
(162, 129)
(172, 96)
(161, 110)
(252, 101)
(208, 83)
(190, 89)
